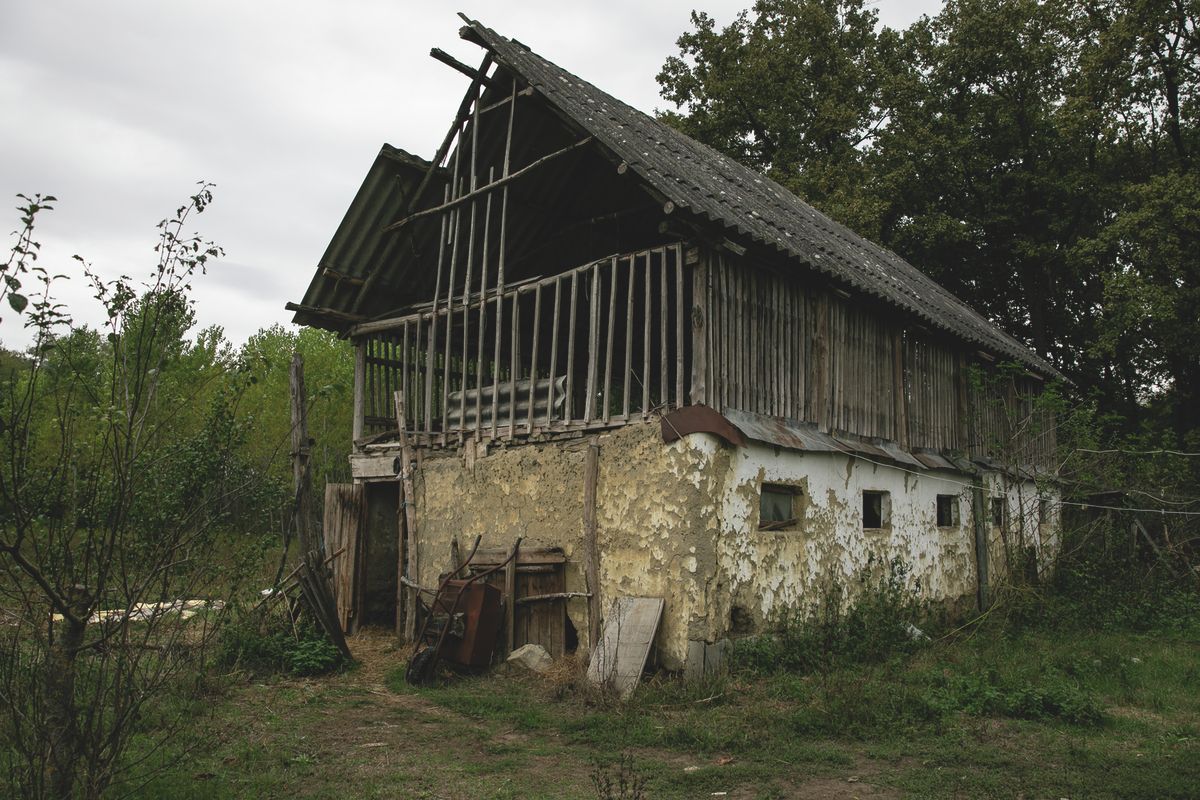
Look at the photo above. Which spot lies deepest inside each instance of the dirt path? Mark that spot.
(349, 735)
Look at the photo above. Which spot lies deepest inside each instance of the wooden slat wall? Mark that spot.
(613, 341)
(758, 334)
(931, 373)
(779, 348)
(610, 338)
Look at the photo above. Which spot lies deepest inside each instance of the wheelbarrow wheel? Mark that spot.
(420, 668)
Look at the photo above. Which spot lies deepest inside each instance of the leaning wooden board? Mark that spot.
(625, 643)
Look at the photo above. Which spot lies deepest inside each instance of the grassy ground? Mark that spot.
(991, 715)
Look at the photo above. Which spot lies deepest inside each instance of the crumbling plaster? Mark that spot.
(766, 573)
(680, 521)
(656, 515)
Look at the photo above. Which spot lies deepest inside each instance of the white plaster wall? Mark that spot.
(768, 572)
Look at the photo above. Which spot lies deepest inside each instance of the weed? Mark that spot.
(307, 652)
(870, 627)
(619, 781)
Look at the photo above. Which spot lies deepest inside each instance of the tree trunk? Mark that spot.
(62, 720)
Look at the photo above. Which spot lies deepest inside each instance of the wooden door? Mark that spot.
(540, 572)
(343, 542)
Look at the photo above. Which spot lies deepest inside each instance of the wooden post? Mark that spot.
(407, 515)
(360, 388)
(301, 471)
(591, 555)
(510, 596)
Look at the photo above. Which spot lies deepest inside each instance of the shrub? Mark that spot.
(871, 627)
(306, 652)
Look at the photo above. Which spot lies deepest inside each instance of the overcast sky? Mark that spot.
(119, 107)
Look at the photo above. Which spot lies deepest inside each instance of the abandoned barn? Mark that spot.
(661, 373)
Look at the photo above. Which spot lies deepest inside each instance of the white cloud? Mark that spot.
(119, 107)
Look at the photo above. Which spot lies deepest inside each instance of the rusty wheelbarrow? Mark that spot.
(461, 623)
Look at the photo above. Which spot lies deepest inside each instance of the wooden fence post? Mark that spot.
(301, 471)
(407, 520)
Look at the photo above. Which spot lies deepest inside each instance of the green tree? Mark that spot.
(1033, 157)
(112, 488)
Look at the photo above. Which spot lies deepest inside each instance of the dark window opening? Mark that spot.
(998, 512)
(947, 510)
(1043, 511)
(876, 510)
(777, 507)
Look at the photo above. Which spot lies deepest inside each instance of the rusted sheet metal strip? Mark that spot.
(699, 419)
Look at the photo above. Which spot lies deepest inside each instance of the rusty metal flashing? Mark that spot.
(795, 435)
(699, 419)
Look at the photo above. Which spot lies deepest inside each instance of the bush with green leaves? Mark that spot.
(869, 626)
(269, 649)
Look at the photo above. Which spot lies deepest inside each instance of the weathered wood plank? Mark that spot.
(628, 635)
(608, 348)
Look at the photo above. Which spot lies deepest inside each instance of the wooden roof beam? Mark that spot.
(490, 187)
(460, 118)
(441, 55)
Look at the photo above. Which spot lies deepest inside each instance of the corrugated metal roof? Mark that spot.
(720, 190)
(359, 246)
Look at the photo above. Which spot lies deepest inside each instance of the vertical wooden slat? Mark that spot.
(533, 356)
(444, 394)
(569, 409)
(483, 265)
(510, 593)
(407, 515)
(786, 347)
(589, 402)
(664, 393)
(405, 364)
(554, 325)
(740, 358)
(962, 428)
(466, 295)
(726, 332)
(360, 388)
(820, 377)
(512, 109)
(612, 321)
(680, 400)
(432, 339)
(514, 364)
(699, 332)
(627, 378)
(645, 259)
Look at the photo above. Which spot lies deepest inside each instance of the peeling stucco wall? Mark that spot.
(680, 521)
(765, 573)
(656, 516)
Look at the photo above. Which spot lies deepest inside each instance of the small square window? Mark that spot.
(997, 512)
(947, 510)
(777, 507)
(877, 510)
